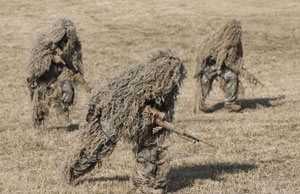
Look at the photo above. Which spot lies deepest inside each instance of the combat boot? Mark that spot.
(233, 107)
(205, 108)
(202, 107)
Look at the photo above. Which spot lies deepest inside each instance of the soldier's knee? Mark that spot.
(67, 95)
(230, 75)
(148, 154)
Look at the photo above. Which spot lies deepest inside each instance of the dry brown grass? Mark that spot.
(257, 150)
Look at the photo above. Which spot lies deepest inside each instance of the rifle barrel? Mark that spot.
(250, 77)
(182, 133)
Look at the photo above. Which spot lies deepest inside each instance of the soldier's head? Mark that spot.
(161, 77)
(153, 82)
(231, 33)
(62, 32)
(229, 44)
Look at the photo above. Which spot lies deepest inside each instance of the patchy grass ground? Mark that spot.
(257, 150)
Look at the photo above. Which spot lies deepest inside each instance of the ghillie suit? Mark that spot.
(117, 110)
(50, 83)
(220, 57)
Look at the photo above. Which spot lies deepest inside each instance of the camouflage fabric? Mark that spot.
(231, 88)
(117, 112)
(100, 142)
(229, 77)
(151, 170)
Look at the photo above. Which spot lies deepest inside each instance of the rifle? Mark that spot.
(250, 77)
(158, 119)
(247, 75)
(62, 58)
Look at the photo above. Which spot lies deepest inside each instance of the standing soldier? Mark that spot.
(220, 57)
(119, 108)
(51, 70)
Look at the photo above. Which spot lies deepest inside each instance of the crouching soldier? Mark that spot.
(119, 109)
(219, 56)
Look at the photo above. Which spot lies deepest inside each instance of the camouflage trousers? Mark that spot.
(97, 143)
(46, 96)
(230, 85)
(151, 170)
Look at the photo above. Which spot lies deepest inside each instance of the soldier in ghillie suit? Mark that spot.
(219, 56)
(117, 110)
(50, 81)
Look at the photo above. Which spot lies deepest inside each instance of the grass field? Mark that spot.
(257, 150)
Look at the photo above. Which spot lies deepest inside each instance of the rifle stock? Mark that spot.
(183, 134)
(158, 119)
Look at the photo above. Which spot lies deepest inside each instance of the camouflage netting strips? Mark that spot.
(118, 106)
(53, 84)
(41, 55)
(222, 47)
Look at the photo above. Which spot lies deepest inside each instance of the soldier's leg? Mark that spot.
(40, 108)
(66, 100)
(38, 114)
(231, 89)
(96, 143)
(203, 87)
(151, 170)
(199, 101)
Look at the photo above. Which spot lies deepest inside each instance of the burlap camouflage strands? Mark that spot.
(224, 46)
(53, 84)
(117, 111)
(219, 55)
(41, 55)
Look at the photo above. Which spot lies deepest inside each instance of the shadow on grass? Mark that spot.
(71, 127)
(251, 103)
(101, 179)
(185, 176)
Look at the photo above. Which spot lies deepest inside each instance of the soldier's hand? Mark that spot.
(56, 59)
